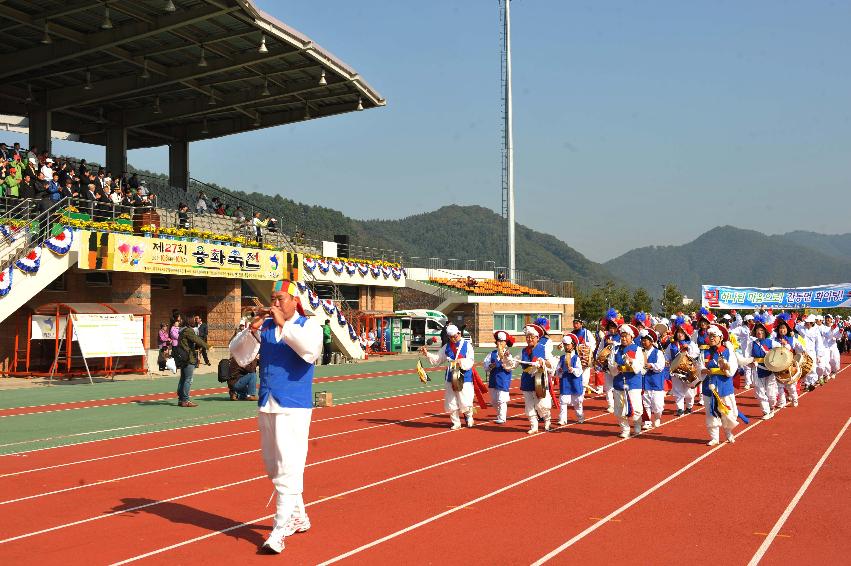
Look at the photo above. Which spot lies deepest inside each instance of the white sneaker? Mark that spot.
(456, 426)
(499, 421)
(547, 425)
(712, 442)
(647, 425)
(297, 524)
(470, 422)
(275, 542)
(657, 423)
(610, 409)
(781, 406)
(581, 419)
(637, 428)
(767, 416)
(532, 431)
(795, 403)
(562, 422)
(624, 434)
(731, 439)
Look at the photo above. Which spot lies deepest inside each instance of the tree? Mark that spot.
(672, 299)
(641, 301)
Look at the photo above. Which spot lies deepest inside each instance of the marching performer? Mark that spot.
(813, 345)
(654, 376)
(626, 366)
(498, 365)
(608, 337)
(831, 333)
(701, 338)
(585, 338)
(458, 353)
(289, 344)
(718, 365)
(743, 337)
(683, 392)
(534, 359)
(571, 384)
(766, 383)
(784, 335)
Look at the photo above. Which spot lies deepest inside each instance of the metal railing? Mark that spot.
(38, 225)
(314, 245)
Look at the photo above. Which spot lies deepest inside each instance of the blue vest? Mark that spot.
(723, 384)
(582, 334)
(655, 381)
(675, 347)
(527, 382)
(702, 340)
(283, 373)
(758, 354)
(626, 378)
(462, 352)
(569, 383)
(499, 377)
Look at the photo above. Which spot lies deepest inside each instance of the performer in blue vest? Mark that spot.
(289, 344)
(626, 366)
(498, 365)
(534, 360)
(718, 365)
(784, 335)
(683, 391)
(571, 386)
(456, 352)
(655, 374)
(766, 383)
(584, 337)
(608, 337)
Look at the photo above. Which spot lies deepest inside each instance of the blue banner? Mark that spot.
(821, 297)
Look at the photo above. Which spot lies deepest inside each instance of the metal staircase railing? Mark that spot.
(38, 231)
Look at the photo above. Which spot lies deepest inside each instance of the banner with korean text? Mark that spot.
(821, 297)
(125, 252)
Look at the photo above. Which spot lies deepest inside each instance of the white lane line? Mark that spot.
(354, 490)
(74, 445)
(763, 548)
(240, 482)
(252, 431)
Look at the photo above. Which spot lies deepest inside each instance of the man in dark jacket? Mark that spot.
(188, 340)
(201, 330)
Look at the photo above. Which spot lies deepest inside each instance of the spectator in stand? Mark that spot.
(63, 173)
(182, 216)
(201, 203)
(27, 186)
(32, 167)
(238, 214)
(47, 168)
(115, 195)
(5, 152)
(273, 226)
(258, 227)
(68, 190)
(83, 170)
(10, 185)
(133, 182)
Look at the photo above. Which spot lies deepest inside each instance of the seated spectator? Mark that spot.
(238, 214)
(165, 361)
(183, 216)
(242, 385)
(201, 203)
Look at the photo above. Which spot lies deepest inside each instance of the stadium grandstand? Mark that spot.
(80, 239)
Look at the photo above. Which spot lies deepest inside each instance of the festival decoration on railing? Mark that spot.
(337, 266)
(352, 334)
(363, 269)
(397, 273)
(375, 271)
(302, 287)
(328, 306)
(341, 320)
(350, 268)
(61, 242)
(100, 226)
(30, 262)
(324, 265)
(385, 271)
(309, 263)
(5, 282)
(12, 230)
(313, 299)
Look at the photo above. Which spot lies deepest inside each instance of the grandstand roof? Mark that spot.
(196, 72)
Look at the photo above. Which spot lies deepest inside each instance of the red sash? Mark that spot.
(479, 387)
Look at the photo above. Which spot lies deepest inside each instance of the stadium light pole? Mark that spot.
(509, 141)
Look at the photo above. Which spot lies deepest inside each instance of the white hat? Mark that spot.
(726, 317)
(810, 318)
(567, 339)
(529, 329)
(714, 330)
(748, 317)
(501, 335)
(828, 315)
(626, 329)
(819, 317)
(48, 160)
(643, 332)
(451, 330)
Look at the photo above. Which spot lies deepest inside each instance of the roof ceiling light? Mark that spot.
(204, 129)
(256, 119)
(322, 81)
(107, 23)
(29, 93)
(265, 91)
(145, 74)
(88, 84)
(169, 7)
(46, 39)
(307, 111)
(262, 48)
(157, 109)
(202, 62)
(360, 104)
(212, 100)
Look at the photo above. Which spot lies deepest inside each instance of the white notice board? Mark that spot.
(109, 335)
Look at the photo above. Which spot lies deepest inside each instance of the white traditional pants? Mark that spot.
(748, 371)
(499, 400)
(586, 377)
(608, 386)
(456, 402)
(283, 442)
(622, 408)
(766, 392)
(535, 406)
(789, 391)
(834, 359)
(574, 401)
(728, 421)
(823, 364)
(683, 394)
(654, 402)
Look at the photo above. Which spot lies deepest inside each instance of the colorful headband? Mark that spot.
(286, 286)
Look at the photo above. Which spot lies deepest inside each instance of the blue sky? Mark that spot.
(668, 118)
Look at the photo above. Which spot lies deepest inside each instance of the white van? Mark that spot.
(423, 327)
